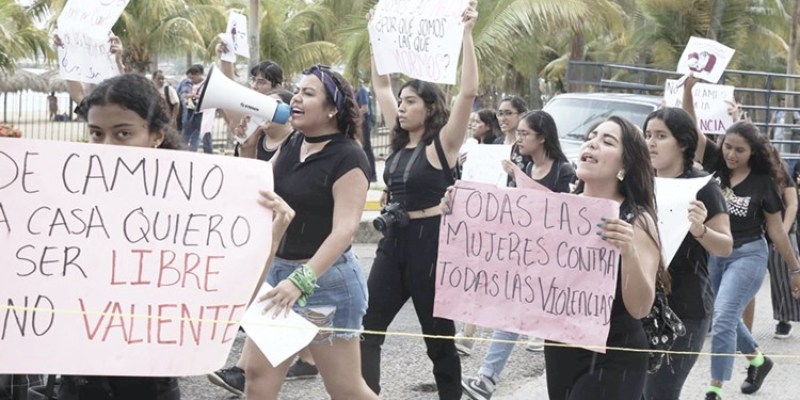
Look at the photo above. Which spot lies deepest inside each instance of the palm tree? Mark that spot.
(19, 36)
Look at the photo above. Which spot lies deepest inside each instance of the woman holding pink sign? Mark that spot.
(614, 164)
(426, 139)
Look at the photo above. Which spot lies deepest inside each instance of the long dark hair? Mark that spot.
(136, 93)
(760, 161)
(682, 127)
(543, 123)
(269, 70)
(489, 118)
(438, 113)
(517, 102)
(780, 170)
(638, 185)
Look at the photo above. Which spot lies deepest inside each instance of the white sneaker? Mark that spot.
(535, 344)
(464, 344)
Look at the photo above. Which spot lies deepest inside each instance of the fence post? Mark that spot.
(768, 119)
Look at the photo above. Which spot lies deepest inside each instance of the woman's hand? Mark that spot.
(469, 16)
(281, 298)
(508, 166)
(282, 215)
(220, 49)
(447, 200)
(697, 218)
(619, 233)
(795, 279)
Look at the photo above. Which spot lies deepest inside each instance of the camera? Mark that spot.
(391, 215)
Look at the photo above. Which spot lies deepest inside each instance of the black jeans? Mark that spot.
(666, 384)
(405, 266)
(118, 388)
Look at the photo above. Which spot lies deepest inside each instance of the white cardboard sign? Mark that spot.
(710, 104)
(705, 58)
(237, 29)
(485, 164)
(673, 197)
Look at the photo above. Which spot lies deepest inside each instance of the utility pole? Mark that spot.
(791, 59)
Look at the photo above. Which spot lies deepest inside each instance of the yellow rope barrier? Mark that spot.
(387, 333)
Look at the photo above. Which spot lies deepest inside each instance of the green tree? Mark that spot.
(19, 36)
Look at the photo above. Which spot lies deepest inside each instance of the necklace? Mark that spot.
(320, 139)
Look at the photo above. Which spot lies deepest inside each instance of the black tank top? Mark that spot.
(261, 149)
(412, 180)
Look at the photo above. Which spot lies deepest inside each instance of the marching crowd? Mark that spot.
(741, 225)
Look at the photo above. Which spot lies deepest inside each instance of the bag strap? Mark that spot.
(448, 172)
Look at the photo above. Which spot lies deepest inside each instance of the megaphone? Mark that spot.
(220, 92)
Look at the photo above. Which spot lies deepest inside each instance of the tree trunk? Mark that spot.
(154, 63)
(794, 47)
(253, 30)
(188, 59)
(716, 19)
(577, 53)
(535, 91)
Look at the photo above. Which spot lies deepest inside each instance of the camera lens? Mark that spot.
(379, 224)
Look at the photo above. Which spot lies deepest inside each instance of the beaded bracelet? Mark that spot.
(306, 280)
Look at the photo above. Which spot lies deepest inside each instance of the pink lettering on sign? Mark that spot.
(533, 254)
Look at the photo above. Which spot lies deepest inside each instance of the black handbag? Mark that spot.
(662, 327)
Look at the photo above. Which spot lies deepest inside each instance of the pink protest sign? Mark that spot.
(527, 261)
(125, 261)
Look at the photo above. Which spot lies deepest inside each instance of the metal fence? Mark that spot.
(30, 113)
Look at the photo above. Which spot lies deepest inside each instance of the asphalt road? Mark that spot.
(406, 369)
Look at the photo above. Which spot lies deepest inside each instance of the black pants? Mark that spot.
(405, 266)
(667, 383)
(118, 388)
(365, 133)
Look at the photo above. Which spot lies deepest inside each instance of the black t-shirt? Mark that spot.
(308, 188)
(559, 177)
(692, 296)
(747, 202)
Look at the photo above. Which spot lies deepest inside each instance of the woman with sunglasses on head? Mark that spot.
(128, 111)
(672, 140)
(426, 139)
(754, 202)
(614, 164)
(537, 138)
(322, 173)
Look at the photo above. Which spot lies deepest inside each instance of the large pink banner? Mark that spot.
(125, 261)
(527, 261)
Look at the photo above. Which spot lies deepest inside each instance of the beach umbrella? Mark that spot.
(17, 81)
(54, 81)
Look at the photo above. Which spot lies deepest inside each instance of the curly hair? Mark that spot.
(760, 160)
(136, 93)
(438, 113)
(348, 118)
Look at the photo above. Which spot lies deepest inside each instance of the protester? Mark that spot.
(754, 203)
(264, 144)
(672, 140)
(169, 95)
(614, 164)
(780, 133)
(487, 128)
(128, 111)
(508, 114)
(189, 89)
(322, 174)
(537, 137)
(52, 106)
(784, 308)
(426, 139)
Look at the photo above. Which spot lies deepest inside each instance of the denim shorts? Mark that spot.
(338, 302)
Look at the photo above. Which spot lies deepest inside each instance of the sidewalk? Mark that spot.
(782, 383)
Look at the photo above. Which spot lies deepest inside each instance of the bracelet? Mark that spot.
(306, 280)
(702, 235)
(794, 271)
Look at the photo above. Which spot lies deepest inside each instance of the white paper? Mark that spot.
(710, 106)
(485, 164)
(278, 338)
(419, 38)
(207, 121)
(237, 29)
(229, 55)
(672, 198)
(705, 58)
(84, 27)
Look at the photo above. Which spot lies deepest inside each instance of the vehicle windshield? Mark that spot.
(574, 117)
